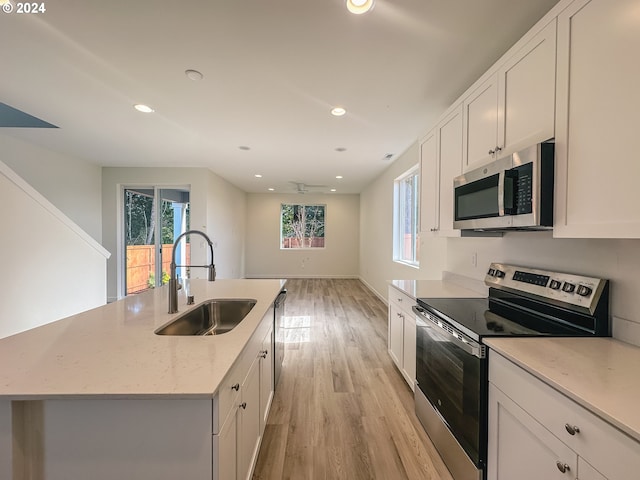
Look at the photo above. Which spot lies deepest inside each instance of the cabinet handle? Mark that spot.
(235, 387)
(264, 353)
(491, 152)
(571, 429)
(563, 467)
(400, 300)
(243, 406)
(498, 149)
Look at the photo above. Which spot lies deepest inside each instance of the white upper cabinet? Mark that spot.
(481, 124)
(597, 138)
(440, 163)
(514, 107)
(528, 93)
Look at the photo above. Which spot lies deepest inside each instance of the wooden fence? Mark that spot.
(309, 242)
(141, 265)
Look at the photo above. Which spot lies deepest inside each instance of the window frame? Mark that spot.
(400, 217)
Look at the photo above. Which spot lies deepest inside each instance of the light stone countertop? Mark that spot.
(112, 351)
(434, 289)
(601, 374)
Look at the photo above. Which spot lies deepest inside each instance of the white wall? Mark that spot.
(339, 258)
(72, 185)
(51, 269)
(217, 208)
(376, 233)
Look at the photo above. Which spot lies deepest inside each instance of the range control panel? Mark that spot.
(572, 289)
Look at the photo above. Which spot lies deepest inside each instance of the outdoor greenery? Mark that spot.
(302, 223)
(140, 219)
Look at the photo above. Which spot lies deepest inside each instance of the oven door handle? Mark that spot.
(467, 345)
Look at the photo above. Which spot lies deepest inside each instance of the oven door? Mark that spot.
(451, 371)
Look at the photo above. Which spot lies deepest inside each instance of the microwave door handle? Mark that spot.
(501, 176)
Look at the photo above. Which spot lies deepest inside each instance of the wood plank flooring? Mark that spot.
(342, 410)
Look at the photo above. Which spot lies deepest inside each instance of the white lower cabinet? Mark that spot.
(249, 437)
(535, 432)
(266, 378)
(402, 334)
(244, 400)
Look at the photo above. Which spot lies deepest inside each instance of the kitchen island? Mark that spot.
(99, 395)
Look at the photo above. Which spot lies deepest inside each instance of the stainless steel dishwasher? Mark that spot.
(278, 332)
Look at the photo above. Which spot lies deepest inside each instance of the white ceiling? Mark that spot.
(272, 71)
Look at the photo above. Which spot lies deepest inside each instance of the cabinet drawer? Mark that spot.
(228, 395)
(608, 449)
(401, 299)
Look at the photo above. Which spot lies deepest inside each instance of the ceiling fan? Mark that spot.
(303, 188)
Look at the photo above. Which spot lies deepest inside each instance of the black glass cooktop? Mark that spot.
(488, 317)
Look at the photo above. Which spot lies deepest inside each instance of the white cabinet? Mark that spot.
(480, 129)
(536, 432)
(515, 107)
(402, 334)
(266, 378)
(597, 116)
(225, 446)
(249, 437)
(243, 401)
(440, 163)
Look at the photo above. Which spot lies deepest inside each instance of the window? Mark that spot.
(405, 218)
(301, 226)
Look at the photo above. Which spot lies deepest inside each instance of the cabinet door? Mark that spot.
(596, 121)
(450, 166)
(409, 352)
(480, 124)
(225, 449)
(527, 87)
(520, 447)
(429, 184)
(587, 472)
(266, 378)
(249, 436)
(396, 334)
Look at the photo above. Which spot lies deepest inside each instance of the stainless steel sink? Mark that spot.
(213, 317)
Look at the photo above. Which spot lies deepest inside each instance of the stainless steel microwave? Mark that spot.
(514, 192)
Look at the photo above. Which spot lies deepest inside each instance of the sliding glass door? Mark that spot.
(153, 218)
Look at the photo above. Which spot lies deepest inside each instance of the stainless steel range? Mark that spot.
(452, 364)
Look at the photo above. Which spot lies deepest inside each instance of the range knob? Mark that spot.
(555, 285)
(491, 272)
(583, 290)
(498, 273)
(568, 287)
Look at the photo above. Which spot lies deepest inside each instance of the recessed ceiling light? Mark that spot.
(143, 108)
(244, 147)
(338, 111)
(271, 189)
(359, 6)
(193, 75)
(257, 175)
(341, 149)
(338, 177)
(333, 189)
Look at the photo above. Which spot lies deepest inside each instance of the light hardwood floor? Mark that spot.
(342, 410)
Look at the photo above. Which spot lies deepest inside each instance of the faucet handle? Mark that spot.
(190, 300)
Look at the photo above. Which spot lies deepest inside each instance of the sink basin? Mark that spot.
(213, 317)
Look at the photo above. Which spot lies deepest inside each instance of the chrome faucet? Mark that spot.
(173, 281)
